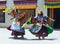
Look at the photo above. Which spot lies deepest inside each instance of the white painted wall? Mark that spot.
(40, 4)
(7, 17)
(10, 4)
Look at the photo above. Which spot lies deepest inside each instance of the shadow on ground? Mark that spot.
(45, 39)
(18, 38)
(30, 39)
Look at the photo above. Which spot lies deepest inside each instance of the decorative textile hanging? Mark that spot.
(2, 4)
(25, 4)
(52, 4)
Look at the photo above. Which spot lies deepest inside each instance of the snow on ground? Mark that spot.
(6, 38)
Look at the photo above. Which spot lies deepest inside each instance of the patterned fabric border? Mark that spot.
(25, 6)
(26, 0)
(52, 5)
(2, 4)
(19, 2)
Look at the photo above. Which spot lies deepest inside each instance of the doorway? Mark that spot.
(57, 18)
